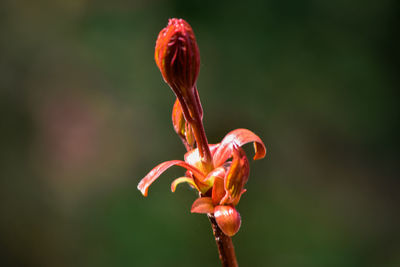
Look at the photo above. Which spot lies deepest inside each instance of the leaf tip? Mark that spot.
(143, 189)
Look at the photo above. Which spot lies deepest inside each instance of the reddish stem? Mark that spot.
(193, 113)
(198, 128)
(201, 140)
(224, 243)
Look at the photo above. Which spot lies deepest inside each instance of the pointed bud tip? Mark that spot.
(177, 56)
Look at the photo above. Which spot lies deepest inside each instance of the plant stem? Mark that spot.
(198, 128)
(202, 142)
(193, 113)
(224, 243)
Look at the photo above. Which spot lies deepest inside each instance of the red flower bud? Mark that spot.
(228, 219)
(177, 56)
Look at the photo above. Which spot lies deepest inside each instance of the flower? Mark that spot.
(220, 188)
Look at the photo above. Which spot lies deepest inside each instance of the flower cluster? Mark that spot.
(217, 171)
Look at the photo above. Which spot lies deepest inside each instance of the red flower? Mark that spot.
(221, 187)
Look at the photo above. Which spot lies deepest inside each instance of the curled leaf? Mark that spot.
(184, 179)
(144, 184)
(236, 201)
(236, 176)
(202, 205)
(238, 137)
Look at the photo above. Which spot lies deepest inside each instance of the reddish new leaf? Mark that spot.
(218, 191)
(238, 137)
(183, 179)
(237, 175)
(202, 205)
(159, 169)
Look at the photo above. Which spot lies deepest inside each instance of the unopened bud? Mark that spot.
(177, 56)
(228, 219)
(181, 126)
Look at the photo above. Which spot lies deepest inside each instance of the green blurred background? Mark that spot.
(84, 115)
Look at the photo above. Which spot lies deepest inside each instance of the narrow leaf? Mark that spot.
(237, 175)
(184, 179)
(238, 137)
(144, 184)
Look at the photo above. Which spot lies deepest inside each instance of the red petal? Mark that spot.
(228, 219)
(238, 137)
(202, 205)
(144, 184)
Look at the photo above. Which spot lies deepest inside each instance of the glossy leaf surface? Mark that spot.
(228, 219)
(159, 169)
(238, 137)
(202, 205)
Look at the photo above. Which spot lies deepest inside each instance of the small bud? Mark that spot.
(181, 126)
(228, 219)
(189, 134)
(177, 56)
(178, 121)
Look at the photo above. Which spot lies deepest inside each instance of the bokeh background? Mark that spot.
(84, 115)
